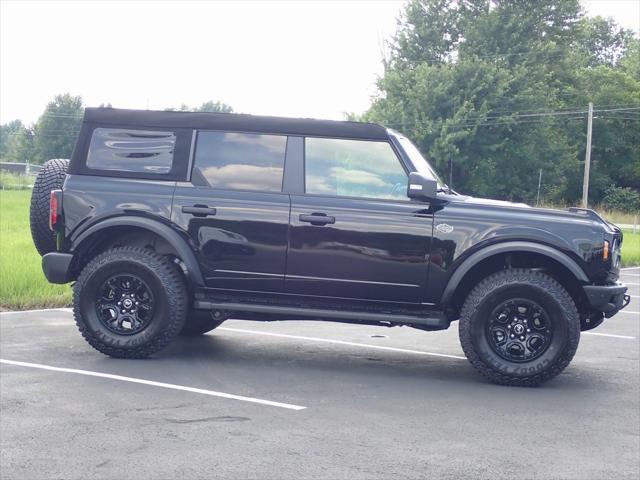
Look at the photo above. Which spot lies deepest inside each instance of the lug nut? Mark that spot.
(512, 336)
(521, 338)
(528, 330)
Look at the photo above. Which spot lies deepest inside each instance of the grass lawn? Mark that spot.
(22, 283)
(630, 248)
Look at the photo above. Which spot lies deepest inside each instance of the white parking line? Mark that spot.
(39, 310)
(630, 283)
(629, 311)
(626, 269)
(341, 342)
(154, 384)
(609, 335)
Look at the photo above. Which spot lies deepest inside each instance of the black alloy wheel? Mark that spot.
(519, 330)
(125, 304)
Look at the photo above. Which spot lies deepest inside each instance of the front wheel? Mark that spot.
(519, 327)
(130, 302)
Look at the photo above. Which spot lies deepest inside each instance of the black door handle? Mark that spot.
(199, 210)
(317, 219)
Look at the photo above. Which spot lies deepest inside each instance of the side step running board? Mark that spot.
(438, 321)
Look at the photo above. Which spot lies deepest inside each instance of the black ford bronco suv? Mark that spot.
(171, 222)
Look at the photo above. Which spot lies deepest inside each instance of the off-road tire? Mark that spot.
(200, 322)
(51, 177)
(168, 288)
(527, 284)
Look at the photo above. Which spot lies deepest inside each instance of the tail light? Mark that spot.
(55, 209)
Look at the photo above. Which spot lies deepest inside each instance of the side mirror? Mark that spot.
(421, 187)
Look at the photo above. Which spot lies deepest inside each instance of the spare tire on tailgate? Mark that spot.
(51, 177)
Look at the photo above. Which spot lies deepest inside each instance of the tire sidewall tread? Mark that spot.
(489, 364)
(160, 272)
(51, 177)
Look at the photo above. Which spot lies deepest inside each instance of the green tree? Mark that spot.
(9, 134)
(210, 106)
(602, 41)
(23, 148)
(497, 90)
(630, 61)
(57, 128)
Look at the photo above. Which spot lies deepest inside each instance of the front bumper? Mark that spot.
(609, 299)
(56, 267)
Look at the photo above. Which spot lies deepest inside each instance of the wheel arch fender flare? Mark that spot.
(178, 242)
(510, 247)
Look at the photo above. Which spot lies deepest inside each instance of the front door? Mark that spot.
(354, 233)
(234, 210)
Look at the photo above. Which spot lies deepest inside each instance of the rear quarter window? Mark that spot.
(131, 150)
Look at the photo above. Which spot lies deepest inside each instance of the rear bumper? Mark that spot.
(608, 299)
(56, 266)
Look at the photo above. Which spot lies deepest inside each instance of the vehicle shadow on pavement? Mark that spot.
(288, 360)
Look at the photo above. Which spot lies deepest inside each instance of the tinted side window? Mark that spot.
(353, 168)
(127, 150)
(240, 161)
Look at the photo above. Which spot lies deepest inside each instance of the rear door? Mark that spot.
(234, 210)
(354, 233)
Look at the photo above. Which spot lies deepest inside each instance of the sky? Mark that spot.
(315, 59)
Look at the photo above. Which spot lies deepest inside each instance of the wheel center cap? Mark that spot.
(518, 328)
(127, 303)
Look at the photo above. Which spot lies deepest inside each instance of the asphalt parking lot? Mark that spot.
(311, 400)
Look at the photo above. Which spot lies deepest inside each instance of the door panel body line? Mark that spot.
(244, 245)
(375, 250)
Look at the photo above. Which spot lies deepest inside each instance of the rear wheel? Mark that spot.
(200, 322)
(51, 177)
(519, 327)
(130, 302)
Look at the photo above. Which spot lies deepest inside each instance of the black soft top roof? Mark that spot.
(234, 122)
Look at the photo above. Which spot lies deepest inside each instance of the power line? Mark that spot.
(618, 109)
(519, 112)
(510, 118)
(487, 120)
(478, 124)
(561, 109)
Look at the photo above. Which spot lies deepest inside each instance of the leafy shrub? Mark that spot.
(622, 198)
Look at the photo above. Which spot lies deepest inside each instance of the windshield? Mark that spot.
(418, 161)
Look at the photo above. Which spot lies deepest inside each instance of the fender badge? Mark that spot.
(444, 228)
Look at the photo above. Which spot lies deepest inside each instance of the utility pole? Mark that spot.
(539, 183)
(587, 159)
